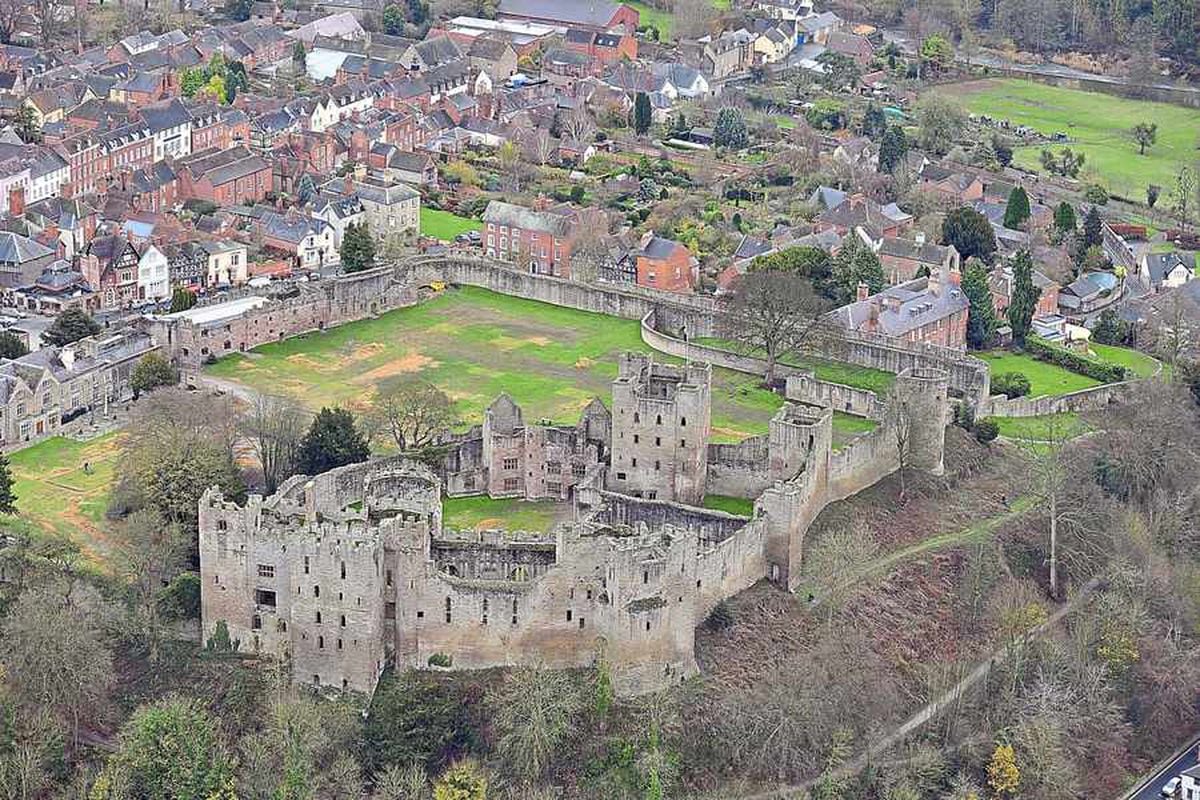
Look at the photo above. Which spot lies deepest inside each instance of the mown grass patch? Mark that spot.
(483, 513)
(1044, 378)
(730, 505)
(875, 380)
(445, 225)
(1046, 427)
(1137, 363)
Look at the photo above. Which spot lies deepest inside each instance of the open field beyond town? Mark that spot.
(1112, 156)
(475, 344)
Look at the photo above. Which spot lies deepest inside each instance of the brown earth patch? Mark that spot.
(411, 362)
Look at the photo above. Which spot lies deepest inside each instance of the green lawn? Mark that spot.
(1137, 363)
(653, 16)
(475, 344)
(1066, 425)
(1044, 378)
(1098, 125)
(876, 380)
(444, 225)
(730, 505)
(481, 513)
(56, 496)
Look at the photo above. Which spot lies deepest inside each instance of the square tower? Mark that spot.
(660, 429)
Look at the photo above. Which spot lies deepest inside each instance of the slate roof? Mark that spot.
(291, 228)
(514, 216)
(926, 253)
(1160, 265)
(17, 249)
(162, 116)
(592, 13)
(917, 307)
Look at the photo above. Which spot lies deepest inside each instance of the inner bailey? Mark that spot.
(346, 572)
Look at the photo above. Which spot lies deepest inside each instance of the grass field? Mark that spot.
(875, 380)
(1098, 125)
(55, 495)
(730, 505)
(444, 225)
(475, 344)
(1138, 364)
(648, 15)
(481, 513)
(1066, 425)
(1044, 378)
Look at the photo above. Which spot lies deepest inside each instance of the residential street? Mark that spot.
(1152, 789)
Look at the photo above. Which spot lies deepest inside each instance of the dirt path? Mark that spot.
(935, 708)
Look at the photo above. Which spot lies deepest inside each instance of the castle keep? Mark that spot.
(346, 572)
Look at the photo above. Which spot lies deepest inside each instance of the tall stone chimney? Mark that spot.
(16, 200)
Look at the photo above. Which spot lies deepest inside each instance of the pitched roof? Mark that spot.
(592, 13)
(17, 249)
(515, 216)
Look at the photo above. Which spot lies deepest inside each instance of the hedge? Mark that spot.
(1102, 371)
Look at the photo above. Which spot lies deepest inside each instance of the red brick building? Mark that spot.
(931, 310)
(224, 177)
(539, 241)
(219, 127)
(665, 264)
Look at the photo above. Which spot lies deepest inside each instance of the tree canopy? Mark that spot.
(970, 233)
(333, 440)
(71, 325)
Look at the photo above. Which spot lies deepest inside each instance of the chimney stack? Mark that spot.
(16, 201)
(934, 284)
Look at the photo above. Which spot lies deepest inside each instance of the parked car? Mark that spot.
(1170, 787)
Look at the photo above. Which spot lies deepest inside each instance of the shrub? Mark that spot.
(986, 430)
(440, 660)
(1102, 371)
(1011, 384)
(181, 600)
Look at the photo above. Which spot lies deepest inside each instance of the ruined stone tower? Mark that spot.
(660, 429)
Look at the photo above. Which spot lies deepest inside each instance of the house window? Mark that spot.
(511, 484)
(578, 470)
(511, 463)
(266, 570)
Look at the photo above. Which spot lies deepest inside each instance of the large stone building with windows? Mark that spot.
(46, 389)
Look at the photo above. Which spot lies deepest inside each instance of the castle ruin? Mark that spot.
(344, 573)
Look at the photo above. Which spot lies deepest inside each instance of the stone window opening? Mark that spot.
(343, 620)
(658, 420)
(340, 597)
(221, 524)
(420, 614)
(316, 591)
(266, 570)
(589, 594)
(581, 620)
(645, 576)
(389, 611)
(318, 617)
(389, 577)
(343, 570)
(636, 438)
(256, 622)
(568, 615)
(514, 611)
(658, 441)
(345, 684)
(683, 422)
(620, 476)
(683, 442)
(485, 610)
(264, 597)
(647, 624)
(316, 680)
(306, 565)
(447, 610)
(637, 417)
(320, 642)
(281, 626)
(657, 466)
(633, 462)
(339, 644)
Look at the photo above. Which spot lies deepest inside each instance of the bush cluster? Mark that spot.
(1100, 370)
(1011, 384)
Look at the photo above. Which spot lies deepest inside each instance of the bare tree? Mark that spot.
(899, 422)
(590, 250)
(414, 412)
(691, 18)
(834, 564)
(541, 145)
(275, 426)
(152, 551)
(579, 125)
(54, 656)
(773, 313)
